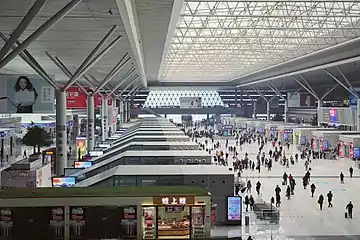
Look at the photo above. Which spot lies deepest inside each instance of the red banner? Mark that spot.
(109, 101)
(77, 99)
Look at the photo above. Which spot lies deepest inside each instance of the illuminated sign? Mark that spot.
(63, 181)
(83, 164)
(104, 145)
(174, 200)
(95, 153)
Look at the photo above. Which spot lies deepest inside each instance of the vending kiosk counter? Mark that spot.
(329, 140)
(350, 145)
(150, 212)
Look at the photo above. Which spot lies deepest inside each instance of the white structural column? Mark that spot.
(121, 111)
(254, 110)
(114, 117)
(128, 111)
(285, 110)
(319, 105)
(268, 110)
(358, 115)
(61, 136)
(125, 111)
(75, 126)
(110, 112)
(104, 118)
(90, 123)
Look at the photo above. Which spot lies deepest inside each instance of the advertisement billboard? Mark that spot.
(63, 181)
(18, 179)
(81, 147)
(234, 209)
(190, 102)
(77, 99)
(25, 94)
(83, 164)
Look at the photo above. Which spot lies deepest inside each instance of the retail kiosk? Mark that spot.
(350, 146)
(176, 212)
(329, 140)
(303, 135)
(217, 179)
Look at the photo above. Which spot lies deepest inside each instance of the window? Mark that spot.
(125, 181)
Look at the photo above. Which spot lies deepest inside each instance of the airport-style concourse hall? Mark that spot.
(179, 119)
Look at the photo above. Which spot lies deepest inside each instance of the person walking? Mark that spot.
(258, 186)
(252, 202)
(330, 197)
(277, 195)
(321, 201)
(312, 189)
(248, 186)
(25, 155)
(288, 192)
(351, 171)
(349, 208)
(341, 177)
(247, 202)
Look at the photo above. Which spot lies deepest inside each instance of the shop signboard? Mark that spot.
(25, 94)
(174, 200)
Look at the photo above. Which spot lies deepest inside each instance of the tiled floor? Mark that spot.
(300, 216)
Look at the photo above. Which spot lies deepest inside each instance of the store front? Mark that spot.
(173, 217)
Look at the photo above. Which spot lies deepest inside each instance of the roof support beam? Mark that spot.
(115, 71)
(64, 69)
(127, 10)
(346, 79)
(260, 93)
(42, 29)
(93, 58)
(25, 22)
(306, 88)
(329, 91)
(295, 60)
(136, 87)
(294, 93)
(274, 88)
(127, 75)
(309, 86)
(134, 79)
(312, 69)
(343, 85)
(27, 57)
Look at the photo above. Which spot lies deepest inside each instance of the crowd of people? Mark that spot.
(241, 161)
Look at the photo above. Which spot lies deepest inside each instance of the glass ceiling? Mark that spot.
(220, 41)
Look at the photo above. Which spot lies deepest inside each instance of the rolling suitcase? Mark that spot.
(346, 215)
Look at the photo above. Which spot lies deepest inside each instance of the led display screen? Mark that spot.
(325, 145)
(302, 140)
(63, 181)
(234, 208)
(356, 152)
(333, 115)
(83, 164)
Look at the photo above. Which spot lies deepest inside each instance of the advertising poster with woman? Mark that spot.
(25, 94)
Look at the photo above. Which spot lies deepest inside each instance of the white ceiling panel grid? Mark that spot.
(223, 40)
